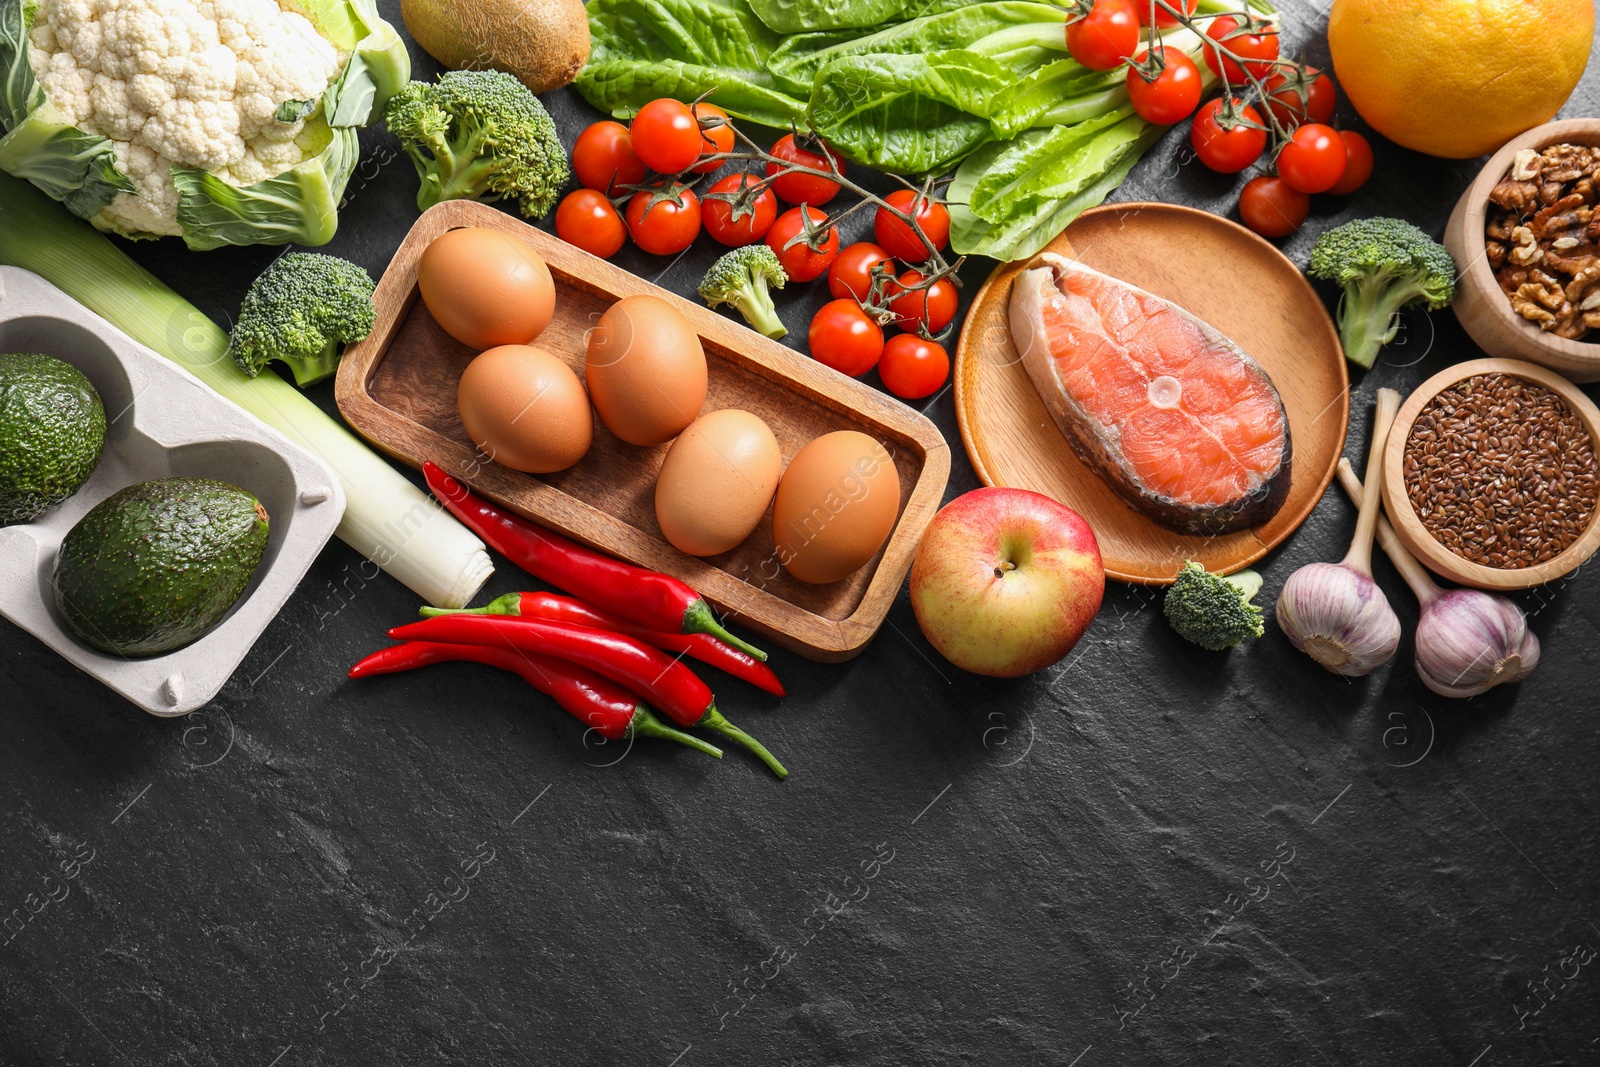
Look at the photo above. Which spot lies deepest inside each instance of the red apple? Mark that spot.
(1006, 581)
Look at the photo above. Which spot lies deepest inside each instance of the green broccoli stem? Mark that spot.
(755, 304)
(1369, 315)
(457, 173)
(310, 370)
(470, 182)
(1247, 582)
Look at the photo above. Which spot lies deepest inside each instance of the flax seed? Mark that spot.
(1501, 471)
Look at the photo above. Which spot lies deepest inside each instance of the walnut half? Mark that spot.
(1543, 242)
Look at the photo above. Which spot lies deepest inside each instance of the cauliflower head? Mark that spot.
(167, 106)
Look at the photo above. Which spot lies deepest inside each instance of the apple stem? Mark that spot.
(1005, 565)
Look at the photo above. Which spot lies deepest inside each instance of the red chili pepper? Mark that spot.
(662, 680)
(653, 600)
(553, 608)
(608, 708)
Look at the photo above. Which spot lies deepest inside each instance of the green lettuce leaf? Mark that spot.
(1009, 200)
(793, 16)
(921, 8)
(1030, 101)
(622, 87)
(1039, 163)
(644, 49)
(911, 114)
(797, 61)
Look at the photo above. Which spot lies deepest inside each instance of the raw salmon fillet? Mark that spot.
(1179, 420)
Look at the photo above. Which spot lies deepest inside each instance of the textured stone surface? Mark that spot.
(252, 885)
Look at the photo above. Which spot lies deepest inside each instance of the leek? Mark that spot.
(386, 519)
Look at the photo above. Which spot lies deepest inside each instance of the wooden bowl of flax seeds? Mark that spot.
(1491, 475)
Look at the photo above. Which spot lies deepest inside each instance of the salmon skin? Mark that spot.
(1176, 418)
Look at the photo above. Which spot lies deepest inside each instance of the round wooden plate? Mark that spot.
(1212, 268)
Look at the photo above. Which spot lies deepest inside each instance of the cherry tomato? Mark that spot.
(844, 338)
(603, 158)
(755, 218)
(1227, 151)
(587, 219)
(912, 367)
(666, 136)
(1357, 164)
(851, 273)
(667, 226)
(900, 240)
(1173, 96)
(932, 308)
(1257, 50)
(716, 134)
(1287, 105)
(1313, 160)
(801, 262)
(804, 188)
(1163, 20)
(1272, 207)
(1106, 36)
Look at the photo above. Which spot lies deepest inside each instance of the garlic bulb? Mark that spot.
(1334, 612)
(1468, 641)
(1339, 617)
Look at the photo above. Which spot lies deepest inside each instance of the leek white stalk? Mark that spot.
(1334, 612)
(386, 519)
(1468, 641)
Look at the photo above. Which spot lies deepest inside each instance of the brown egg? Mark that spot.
(525, 409)
(717, 481)
(835, 506)
(486, 287)
(646, 370)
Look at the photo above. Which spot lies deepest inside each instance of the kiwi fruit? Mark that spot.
(543, 43)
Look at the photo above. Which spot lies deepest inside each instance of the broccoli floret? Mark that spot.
(480, 135)
(1211, 610)
(300, 311)
(1383, 265)
(741, 278)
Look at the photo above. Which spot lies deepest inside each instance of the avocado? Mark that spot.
(154, 566)
(52, 430)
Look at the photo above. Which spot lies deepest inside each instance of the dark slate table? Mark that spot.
(434, 869)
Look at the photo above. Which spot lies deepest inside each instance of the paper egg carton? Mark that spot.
(161, 422)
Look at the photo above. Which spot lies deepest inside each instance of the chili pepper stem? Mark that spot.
(510, 604)
(713, 720)
(699, 619)
(647, 724)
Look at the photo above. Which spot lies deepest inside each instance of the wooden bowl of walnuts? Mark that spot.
(1526, 239)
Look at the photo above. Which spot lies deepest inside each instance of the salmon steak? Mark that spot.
(1175, 417)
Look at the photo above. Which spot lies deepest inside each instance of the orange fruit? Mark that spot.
(1458, 78)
